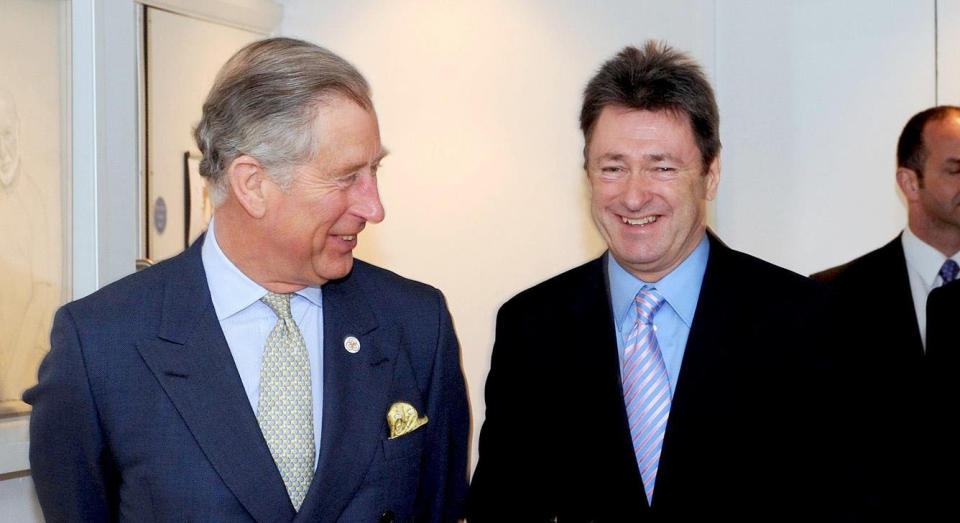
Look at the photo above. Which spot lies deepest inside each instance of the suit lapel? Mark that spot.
(704, 356)
(595, 364)
(901, 302)
(191, 360)
(355, 387)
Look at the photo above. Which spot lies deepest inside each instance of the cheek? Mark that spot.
(603, 194)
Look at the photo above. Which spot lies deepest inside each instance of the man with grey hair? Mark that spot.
(673, 378)
(263, 374)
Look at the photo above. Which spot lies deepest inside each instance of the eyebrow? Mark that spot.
(655, 157)
(360, 165)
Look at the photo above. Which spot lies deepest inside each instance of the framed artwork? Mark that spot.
(34, 189)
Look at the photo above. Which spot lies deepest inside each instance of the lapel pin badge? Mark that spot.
(352, 344)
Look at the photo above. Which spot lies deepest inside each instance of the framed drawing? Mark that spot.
(34, 188)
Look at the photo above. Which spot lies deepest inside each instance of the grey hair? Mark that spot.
(264, 102)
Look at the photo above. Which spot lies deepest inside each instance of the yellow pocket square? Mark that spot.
(403, 418)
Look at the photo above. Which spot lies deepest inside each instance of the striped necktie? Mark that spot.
(285, 403)
(646, 388)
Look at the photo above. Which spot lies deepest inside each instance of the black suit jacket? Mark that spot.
(876, 286)
(742, 429)
(942, 455)
(140, 414)
(883, 368)
(943, 317)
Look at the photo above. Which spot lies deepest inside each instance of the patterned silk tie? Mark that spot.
(285, 408)
(646, 388)
(948, 272)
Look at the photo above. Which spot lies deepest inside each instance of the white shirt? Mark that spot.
(923, 269)
(246, 322)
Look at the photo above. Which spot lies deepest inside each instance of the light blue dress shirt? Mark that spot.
(681, 290)
(246, 322)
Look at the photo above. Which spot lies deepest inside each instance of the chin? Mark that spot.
(335, 270)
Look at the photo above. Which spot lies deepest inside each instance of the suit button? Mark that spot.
(387, 517)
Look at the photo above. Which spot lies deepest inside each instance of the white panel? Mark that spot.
(183, 56)
(813, 96)
(948, 52)
(479, 105)
(18, 502)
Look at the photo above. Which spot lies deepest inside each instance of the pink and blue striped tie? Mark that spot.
(646, 388)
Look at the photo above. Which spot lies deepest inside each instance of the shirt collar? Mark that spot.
(230, 289)
(680, 288)
(923, 258)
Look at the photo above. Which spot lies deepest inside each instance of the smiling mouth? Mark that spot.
(639, 221)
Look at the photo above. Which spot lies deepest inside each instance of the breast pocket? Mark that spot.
(394, 477)
(406, 446)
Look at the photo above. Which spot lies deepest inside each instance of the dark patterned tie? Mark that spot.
(948, 272)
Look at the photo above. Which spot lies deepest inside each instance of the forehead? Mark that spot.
(346, 133)
(624, 126)
(943, 133)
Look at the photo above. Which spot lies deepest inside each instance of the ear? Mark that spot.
(247, 180)
(909, 183)
(713, 178)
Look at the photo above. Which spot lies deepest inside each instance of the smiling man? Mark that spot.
(673, 378)
(259, 376)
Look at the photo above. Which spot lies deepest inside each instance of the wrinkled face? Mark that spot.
(648, 188)
(938, 192)
(315, 222)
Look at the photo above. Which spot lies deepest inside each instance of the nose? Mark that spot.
(636, 191)
(366, 203)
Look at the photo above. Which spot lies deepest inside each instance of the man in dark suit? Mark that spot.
(927, 252)
(672, 378)
(880, 299)
(262, 375)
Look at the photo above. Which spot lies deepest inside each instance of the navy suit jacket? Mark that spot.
(140, 413)
(745, 432)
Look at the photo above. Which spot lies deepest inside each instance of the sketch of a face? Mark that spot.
(9, 139)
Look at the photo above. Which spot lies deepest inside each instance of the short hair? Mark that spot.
(911, 151)
(655, 78)
(264, 102)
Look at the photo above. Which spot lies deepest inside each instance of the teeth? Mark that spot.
(349, 238)
(640, 221)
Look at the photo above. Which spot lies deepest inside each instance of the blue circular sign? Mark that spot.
(160, 215)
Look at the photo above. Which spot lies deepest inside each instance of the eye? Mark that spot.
(348, 180)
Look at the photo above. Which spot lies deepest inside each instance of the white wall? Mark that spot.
(478, 103)
(813, 96)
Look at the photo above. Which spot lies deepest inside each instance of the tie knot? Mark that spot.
(948, 272)
(648, 302)
(279, 304)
